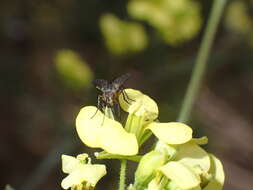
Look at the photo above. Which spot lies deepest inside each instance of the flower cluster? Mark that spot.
(177, 162)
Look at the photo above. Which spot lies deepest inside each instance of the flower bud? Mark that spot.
(147, 167)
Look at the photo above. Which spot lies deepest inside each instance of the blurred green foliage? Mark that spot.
(73, 70)
(176, 21)
(8, 187)
(121, 36)
(238, 18)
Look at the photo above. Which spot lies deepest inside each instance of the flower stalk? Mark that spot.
(122, 176)
(201, 61)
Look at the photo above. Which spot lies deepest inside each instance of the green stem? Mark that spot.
(122, 176)
(201, 61)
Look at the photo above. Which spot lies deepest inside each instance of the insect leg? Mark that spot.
(103, 120)
(118, 112)
(99, 105)
(126, 97)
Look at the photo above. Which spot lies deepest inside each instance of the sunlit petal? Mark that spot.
(135, 102)
(98, 131)
(184, 177)
(73, 178)
(88, 124)
(116, 140)
(193, 156)
(172, 132)
(70, 163)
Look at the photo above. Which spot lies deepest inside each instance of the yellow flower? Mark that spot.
(82, 175)
(96, 130)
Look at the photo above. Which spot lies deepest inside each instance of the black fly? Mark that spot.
(110, 92)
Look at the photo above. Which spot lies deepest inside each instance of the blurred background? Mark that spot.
(52, 50)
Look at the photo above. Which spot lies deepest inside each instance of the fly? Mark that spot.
(110, 91)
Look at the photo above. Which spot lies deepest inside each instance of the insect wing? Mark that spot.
(118, 82)
(100, 84)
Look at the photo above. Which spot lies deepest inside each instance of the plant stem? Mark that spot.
(201, 60)
(122, 176)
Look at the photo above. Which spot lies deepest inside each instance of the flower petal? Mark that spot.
(135, 102)
(93, 173)
(70, 163)
(86, 173)
(172, 132)
(73, 178)
(184, 177)
(99, 131)
(116, 140)
(193, 156)
(218, 174)
(88, 125)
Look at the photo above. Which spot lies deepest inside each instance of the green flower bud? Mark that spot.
(147, 167)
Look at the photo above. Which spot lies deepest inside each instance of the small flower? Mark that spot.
(82, 175)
